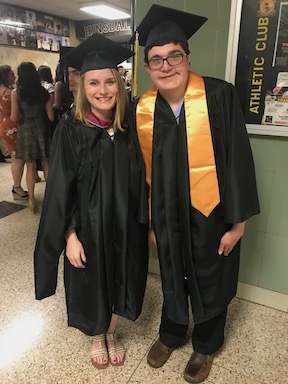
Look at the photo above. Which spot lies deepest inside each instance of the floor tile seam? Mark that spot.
(242, 373)
(141, 360)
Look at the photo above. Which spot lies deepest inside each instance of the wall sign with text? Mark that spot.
(259, 47)
(26, 28)
(86, 28)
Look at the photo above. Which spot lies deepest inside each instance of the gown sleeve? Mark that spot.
(59, 210)
(139, 189)
(233, 154)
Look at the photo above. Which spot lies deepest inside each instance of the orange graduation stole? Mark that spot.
(204, 190)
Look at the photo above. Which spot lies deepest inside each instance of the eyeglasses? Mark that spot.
(173, 60)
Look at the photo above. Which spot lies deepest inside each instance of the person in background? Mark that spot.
(125, 75)
(31, 105)
(95, 206)
(121, 70)
(200, 169)
(2, 157)
(126, 78)
(60, 105)
(62, 96)
(46, 80)
(3, 151)
(73, 84)
(8, 131)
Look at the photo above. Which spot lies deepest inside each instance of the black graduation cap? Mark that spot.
(162, 25)
(63, 65)
(97, 52)
(64, 50)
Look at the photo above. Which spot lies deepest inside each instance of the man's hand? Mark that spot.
(230, 238)
(152, 236)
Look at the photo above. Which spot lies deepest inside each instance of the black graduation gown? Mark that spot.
(98, 187)
(187, 241)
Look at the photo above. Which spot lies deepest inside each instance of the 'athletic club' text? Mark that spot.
(258, 69)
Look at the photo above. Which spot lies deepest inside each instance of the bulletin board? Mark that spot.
(257, 63)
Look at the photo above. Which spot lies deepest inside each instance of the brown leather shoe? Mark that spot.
(158, 354)
(198, 367)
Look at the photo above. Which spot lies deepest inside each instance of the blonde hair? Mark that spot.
(83, 107)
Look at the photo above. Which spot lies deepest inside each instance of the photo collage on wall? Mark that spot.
(24, 28)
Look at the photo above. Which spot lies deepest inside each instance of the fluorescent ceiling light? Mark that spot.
(106, 12)
(14, 23)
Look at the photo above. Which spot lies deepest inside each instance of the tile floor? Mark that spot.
(37, 347)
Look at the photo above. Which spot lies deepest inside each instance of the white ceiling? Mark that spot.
(68, 9)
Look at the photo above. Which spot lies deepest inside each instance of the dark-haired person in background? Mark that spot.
(46, 79)
(30, 107)
(8, 131)
(61, 96)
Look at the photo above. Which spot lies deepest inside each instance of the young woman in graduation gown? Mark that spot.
(95, 207)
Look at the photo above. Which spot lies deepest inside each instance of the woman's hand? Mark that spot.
(230, 238)
(152, 236)
(74, 250)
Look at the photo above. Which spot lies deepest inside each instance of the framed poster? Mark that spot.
(257, 63)
(32, 29)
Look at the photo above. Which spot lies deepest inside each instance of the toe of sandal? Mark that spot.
(114, 349)
(99, 352)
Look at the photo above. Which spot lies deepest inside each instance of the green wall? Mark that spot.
(264, 255)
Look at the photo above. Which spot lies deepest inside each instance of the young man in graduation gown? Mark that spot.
(200, 170)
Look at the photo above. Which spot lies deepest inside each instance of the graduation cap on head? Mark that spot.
(97, 52)
(64, 50)
(162, 25)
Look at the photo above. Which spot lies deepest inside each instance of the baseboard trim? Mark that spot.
(263, 296)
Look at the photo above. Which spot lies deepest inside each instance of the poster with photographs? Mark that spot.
(11, 36)
(40, 22)
(2, 13)
(26, 28)
(47, 42)
(20, 16)
(21, 39)
(276, 110)
(65, 29)
(65, 41)
(31, 39)
(58, 27)
(31, 22)
(3, 35)
(281, 44)
(10, 13)
(49, 24)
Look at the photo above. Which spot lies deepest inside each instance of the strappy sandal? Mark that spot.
(114, 349)
(19, 196)
(99, 352)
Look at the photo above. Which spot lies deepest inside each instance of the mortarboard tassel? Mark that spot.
(136, 64)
